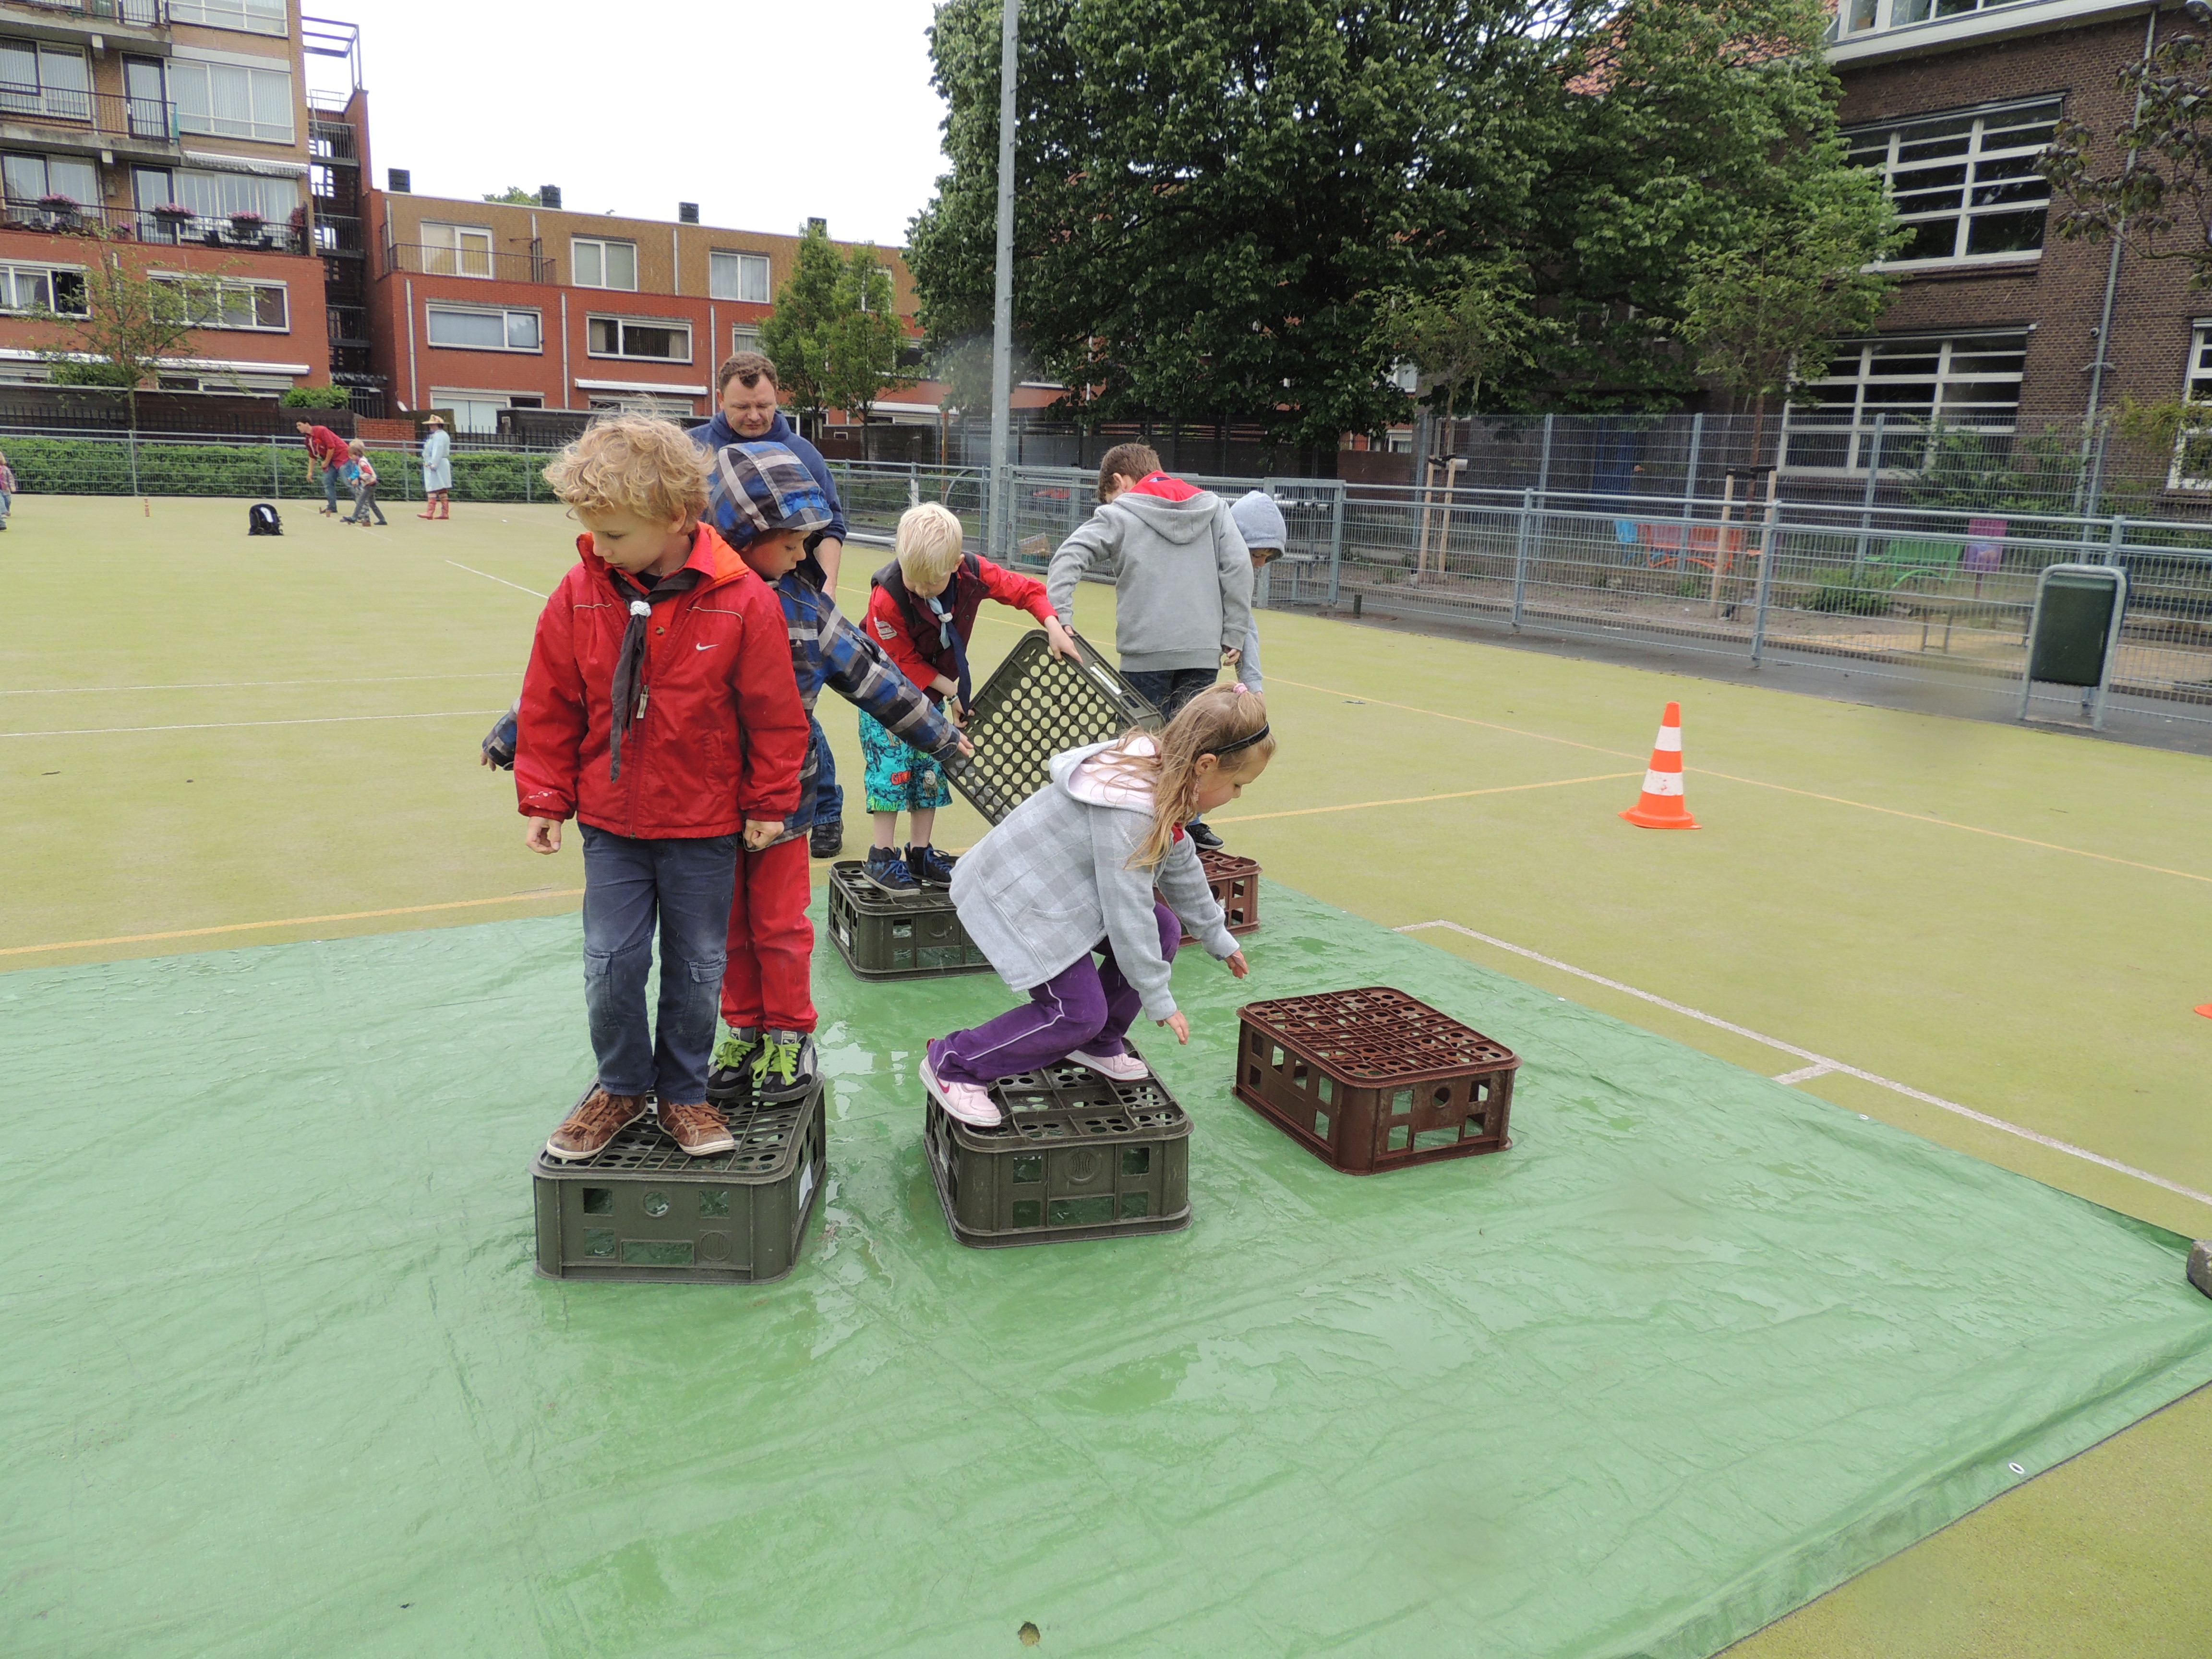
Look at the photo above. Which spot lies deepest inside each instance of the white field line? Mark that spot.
(231, 725)
(501, 581)
(236, 686)
(1819, 1065)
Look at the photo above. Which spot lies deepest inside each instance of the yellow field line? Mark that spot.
(1418, 800)
(1760, 783)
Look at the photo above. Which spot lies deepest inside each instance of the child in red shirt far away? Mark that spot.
(921, 610)
(660, 712)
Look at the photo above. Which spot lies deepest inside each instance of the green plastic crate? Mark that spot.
(897, 935)
(1078, 1157)
(641, 1210)
(1034, 705)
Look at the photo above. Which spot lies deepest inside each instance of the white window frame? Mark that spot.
(506, 313)
(45, 101)
(2192, 446)
(1908, 417)
(252, 16)
(453, 396)
(225, 288)
(452, 240)
(1991, 143)
(621, 322)
(752, 270)
(602, 244)
(745, 337)
(1857, 19)
(12, 269)
(185, 67)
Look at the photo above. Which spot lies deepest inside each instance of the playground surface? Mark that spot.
(243, 744)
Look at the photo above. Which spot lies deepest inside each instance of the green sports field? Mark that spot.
(214, 744)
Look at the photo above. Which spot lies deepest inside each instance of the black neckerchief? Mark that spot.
(629, 693)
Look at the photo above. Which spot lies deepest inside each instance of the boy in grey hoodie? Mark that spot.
(1182, 581)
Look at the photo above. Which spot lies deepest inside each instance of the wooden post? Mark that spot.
(1722, 546)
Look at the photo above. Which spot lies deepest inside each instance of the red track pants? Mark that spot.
(766, 982)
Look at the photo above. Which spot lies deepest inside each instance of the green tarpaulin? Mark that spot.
(279, 1379)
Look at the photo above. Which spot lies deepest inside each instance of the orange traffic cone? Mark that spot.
(2205, 1009)
(1661, 806)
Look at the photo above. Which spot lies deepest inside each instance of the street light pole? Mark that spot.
(1002, 302)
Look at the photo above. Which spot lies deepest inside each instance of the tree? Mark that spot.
(2153, 188)
(1461, 335)
(134, 320)
(798, 336)
(1759, 314)
(865, 336)
(513, 196)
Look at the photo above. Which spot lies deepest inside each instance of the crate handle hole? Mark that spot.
(1399, 1137)
(1326, 1091)
(1442, 1095)
(1136, 1160)
(599, 1200)
(656, 1204)
(1321, 1126)
(1253, 1074)
(1278, 1062)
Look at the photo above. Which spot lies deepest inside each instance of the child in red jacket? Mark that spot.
(921, 608)
(659, 709)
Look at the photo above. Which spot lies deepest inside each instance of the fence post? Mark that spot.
(1866, 508)
(912, 485)
(1335, 541)
(2112, 544)
(275, 490)
(134, 460)
(529, 482)
(1544, 458)
(1690, 485)
(1521, 550)
(1765, 576)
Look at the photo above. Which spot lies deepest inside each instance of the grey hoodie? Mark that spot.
(1182, 579)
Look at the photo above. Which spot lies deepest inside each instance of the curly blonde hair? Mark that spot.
(633, 463)
(1221, 716)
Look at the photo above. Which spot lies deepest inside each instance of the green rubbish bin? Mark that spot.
(2075, 631)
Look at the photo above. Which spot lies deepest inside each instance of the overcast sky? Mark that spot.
(763, 113)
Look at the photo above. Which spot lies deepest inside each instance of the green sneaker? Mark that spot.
(784, 1067)
(730, 1073)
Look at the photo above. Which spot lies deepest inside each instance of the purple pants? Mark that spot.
(1086, 1005)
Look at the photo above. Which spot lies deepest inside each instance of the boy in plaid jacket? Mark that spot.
(766, 505)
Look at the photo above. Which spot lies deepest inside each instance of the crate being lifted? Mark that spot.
(640, 1210)
(1077, 1155)
(1374, 1079)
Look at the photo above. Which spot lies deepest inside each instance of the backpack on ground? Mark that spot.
(261, 519)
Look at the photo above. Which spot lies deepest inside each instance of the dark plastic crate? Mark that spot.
(897, 935)
(1034, 705)
(642, 1210)
(1079, 1157)
(1236, 884)
(1374, 1079)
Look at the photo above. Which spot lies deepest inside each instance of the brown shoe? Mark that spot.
(698, 1131)
(598, 1118)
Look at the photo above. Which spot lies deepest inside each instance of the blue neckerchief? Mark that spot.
(949, 637)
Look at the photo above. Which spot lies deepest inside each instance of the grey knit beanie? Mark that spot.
(1259, 520)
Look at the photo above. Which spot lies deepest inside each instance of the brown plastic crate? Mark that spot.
(1078, 1156)
(1374, 1079)
(1236, 884)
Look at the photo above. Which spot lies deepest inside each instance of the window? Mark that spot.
(684, 410)
(479, 411)
(603, 264)
(229, 304)
(1970, 380)
(42, 288)
(27, 178)
(39, 79)
(230, 100)
(485, 330)
(1966, 186)
(252, 16)
(146, 97)
(619, 336)
(219, 195)
(738, 276)
(456, 249)
(2192, 450)
(1864, 16)
(745, 337)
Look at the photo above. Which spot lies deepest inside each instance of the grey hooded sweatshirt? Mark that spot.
(1183, 576)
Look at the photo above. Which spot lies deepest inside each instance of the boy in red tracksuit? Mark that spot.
(660, 709)
(921, 610)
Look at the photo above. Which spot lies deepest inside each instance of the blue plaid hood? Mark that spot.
(758, 488)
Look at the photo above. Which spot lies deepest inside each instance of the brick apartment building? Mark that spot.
(1996, 320)
(181, 128)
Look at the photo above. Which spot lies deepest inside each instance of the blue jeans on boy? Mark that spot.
(686, 885)
(331, 488)
(829, 799)
(1168, 689)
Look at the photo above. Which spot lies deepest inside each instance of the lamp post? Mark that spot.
(1002, 301)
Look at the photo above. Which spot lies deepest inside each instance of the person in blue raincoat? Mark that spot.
(437, 469)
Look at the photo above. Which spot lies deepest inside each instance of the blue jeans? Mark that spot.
(686, 885)
(331, 488)
(1168, 689)
(829, 799)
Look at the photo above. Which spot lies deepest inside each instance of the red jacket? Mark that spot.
(723, 733)
(924, 658)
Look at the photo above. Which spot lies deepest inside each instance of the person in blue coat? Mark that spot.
(746, 388)
(437, 469)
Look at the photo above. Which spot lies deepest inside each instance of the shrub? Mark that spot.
(315, 397)
(1842, 593)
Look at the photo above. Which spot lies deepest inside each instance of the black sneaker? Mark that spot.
(784, 1069)
(730, 1072)
(1201, 837)
(826, 841)
(929, 866)
(887, 870)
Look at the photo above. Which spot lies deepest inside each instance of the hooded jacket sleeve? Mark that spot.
(1126, 897)
(1099, 533)
(774, 720)
(861, 672)
(886, 628)
(1182, 881)
(551, 716)
(1013, 590)
(1234, 560)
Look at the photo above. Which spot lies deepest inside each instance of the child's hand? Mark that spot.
(967, 750)
(1061, 642)
(1229, 658)
(957, 711)
(1235, 964)
(1175, 1023)
(761, 831)
(544, 836)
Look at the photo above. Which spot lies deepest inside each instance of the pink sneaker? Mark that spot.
(964, 1101)
(1124, 1067)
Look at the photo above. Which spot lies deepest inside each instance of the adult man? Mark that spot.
(326, 448)
(747, 389)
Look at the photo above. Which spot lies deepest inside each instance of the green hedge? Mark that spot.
(102, 466)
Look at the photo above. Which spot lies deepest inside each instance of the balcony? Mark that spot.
(101, 120)
(332, 140)
(337, 232)
(130, 22)
(349, 325)
(238, 232)
(423, 259)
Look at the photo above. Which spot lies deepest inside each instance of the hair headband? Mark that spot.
(1241, 742)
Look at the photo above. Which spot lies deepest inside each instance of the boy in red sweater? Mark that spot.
(921, 610)
(659, 710)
